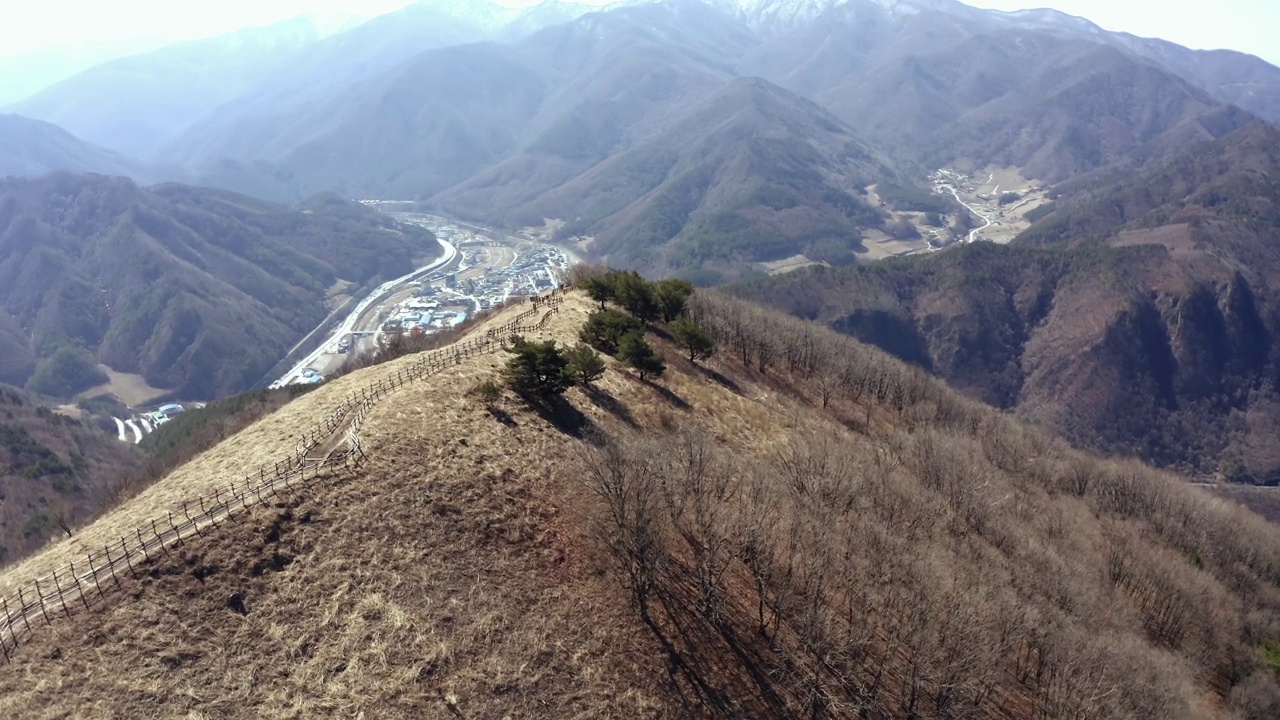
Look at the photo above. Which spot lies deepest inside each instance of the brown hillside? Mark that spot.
(1138, 318)
(825, 532)
(55, 472)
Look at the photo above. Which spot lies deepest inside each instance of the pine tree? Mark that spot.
(604, 329)
(585, 364)
(634, 351)
(671, 296)
(636, 295)
(538, 369)
(691, 336)
(600, 289)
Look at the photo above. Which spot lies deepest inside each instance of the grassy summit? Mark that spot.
(798, 524)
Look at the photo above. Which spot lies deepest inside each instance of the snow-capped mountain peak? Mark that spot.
(777, 12)
(782, 14)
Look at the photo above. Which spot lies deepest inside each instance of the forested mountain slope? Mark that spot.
(601, 124)
(1139, 317)
(199, 291)
(798, 525)
(749, 173)
(56, 473)
(31, 147)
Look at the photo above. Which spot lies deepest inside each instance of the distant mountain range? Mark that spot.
(1141, 315)
(139, 105)
(133, 104)
(199, 291)
(456, 103)
(603, 121)
(32, 147)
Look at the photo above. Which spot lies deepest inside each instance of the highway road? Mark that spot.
(349, 323)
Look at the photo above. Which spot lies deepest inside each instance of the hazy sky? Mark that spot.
(1247, 25)
(26, 25)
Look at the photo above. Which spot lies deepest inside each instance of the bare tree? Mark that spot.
(624, 479)
(698, 487)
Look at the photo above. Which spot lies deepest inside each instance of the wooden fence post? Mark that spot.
(159, 539)
(61, 599)
(194, 524)
(112, 565)
(76, 579)
(40, 597)
(13, 631)
(23, 600)
(128, 560)
(94, 570)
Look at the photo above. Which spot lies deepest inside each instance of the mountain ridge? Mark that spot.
(199, 291)
(908, 532)
(1138, 317)
(33, 147)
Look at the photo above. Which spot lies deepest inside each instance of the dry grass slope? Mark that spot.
(838, 536)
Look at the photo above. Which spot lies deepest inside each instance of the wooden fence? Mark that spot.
(333, 444)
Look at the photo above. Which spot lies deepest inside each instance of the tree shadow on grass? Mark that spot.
(719, 378)
(609, 404)
(502, 416)
(667, 395)
(562, 415)
(696, 658)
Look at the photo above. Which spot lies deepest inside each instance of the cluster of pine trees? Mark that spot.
(541, 370)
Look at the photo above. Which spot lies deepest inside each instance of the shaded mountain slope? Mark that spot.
(865, 556)
(750, 173)
(32, 147)
(1242, 80)
(232, 130)
(199, 291)
(427, 126)
(591, 122)
(55, 472)
(628, 125)
(446, 114)
(1139, 317)
(943, 88)
(133, 105)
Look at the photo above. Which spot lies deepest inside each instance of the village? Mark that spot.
(1000, 198)
(489, 272)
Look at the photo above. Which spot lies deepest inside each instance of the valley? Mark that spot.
(493, 507)
(1001, 201)
(725, 359)
(480, 269)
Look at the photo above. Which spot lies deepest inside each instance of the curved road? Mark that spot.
(973, 210)
(137, 431)
(349, 323)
